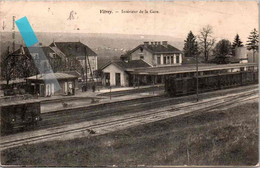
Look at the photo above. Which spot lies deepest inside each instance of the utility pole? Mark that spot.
(86, 69)
(197, 78)
(110, 92)
(13, 33)
(153, 77)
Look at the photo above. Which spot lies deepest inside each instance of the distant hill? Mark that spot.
(107, 46)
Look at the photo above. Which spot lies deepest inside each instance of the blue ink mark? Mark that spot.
(26, 31)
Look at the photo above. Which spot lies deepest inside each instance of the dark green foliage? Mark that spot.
(190, 46)
(237, 43)
(252, 43)
(223, 48)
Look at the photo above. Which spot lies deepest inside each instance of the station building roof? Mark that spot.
(58, 76)
(128, 66)
(10, 102)
(166, 70)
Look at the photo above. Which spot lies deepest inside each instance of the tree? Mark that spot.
(237, 43)
(252, 43)
(206, 41)
(190, 46)
(15, 65)
(222, 48)
(7, 66)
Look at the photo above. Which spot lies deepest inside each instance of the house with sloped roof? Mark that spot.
(75, 52)
(155, 53)
(28, 60)
(118, 72)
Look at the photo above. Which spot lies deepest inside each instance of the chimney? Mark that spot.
(146, 43)
(164, 43)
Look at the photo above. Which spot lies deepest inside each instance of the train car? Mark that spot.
(19, 115)
(184, 86)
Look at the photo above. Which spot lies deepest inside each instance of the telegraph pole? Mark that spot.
(197, 78)
(13, 33)
(86, 69)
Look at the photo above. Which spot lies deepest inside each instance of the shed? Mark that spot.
(44, 84)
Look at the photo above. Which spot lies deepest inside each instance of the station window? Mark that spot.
(141, 57)
(158, 60)
(171, 59)
(177, 58)
(168, 59)
(164, 60)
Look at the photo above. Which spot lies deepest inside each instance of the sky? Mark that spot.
(174, 18)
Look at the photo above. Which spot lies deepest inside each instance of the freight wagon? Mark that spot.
(188, 85)
(19, 115)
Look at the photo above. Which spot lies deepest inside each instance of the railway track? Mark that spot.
(102, 126)
(78, 115)
(92, 113)
(133, 91)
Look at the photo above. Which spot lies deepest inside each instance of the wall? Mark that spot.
(112, 69)
(241, 53)
(62, 85)
(152, 59)
(168, 62)
(252, 59)
(148, 57)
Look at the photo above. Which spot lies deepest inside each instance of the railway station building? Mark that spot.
(146, 55)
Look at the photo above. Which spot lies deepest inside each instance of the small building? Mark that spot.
(246, 56)
(155, 54)
(118, 73)
(241, 54)
(44, 84)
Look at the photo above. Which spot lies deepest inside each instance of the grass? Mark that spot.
(220, 138)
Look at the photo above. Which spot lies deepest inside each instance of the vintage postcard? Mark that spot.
(129, 83)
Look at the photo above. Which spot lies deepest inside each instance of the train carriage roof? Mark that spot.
(18, 102)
